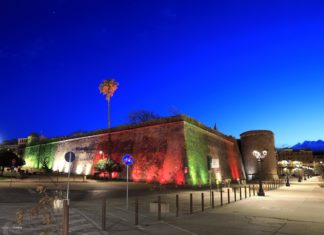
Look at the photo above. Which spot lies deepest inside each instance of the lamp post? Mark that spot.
(304, 173)
(287, 178)
(286, 165)
(297, 170)
(260, 156)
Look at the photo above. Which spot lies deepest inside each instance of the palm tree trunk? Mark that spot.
(109, 113)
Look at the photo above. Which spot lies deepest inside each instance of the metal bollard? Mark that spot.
(213, 201)
(159, 207)
(202, 202)
(177, 205)
(228, 196)
(245, 192)
(221, 197)
(249, 190)
(235, 194)
(103, 214)
(190, 203)
(240, 193)
(253, 190)
(136, 211)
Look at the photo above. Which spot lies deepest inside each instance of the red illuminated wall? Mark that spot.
(162, 149)
(158, 151)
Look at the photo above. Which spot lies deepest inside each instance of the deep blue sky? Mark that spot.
(241, 64)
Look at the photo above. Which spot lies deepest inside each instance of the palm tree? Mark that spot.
(108, 88)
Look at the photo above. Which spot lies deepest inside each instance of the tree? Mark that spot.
(141, 116)
(215, 127)
(44, 161)
(108, 88)
(6, 160)
(109, 165)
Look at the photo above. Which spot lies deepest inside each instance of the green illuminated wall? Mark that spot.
(37, 154)
(196, 146)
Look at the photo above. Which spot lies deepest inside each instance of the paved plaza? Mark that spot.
(287, 210)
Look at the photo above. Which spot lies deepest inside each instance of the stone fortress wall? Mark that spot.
(166, 150)
(259, 140)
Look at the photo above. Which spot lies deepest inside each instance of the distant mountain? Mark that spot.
(312, 145)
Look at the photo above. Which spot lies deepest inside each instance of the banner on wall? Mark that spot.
(215, 163)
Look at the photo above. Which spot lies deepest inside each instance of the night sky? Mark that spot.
(241, 64)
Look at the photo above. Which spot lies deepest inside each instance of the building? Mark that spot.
(318, 156)
(304, 156)
(166, 150)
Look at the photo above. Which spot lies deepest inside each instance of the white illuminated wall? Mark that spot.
(81, 165)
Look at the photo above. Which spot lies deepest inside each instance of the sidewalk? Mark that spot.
(295, 210)
(287, 210)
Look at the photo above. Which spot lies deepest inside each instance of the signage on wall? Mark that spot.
(215, 163)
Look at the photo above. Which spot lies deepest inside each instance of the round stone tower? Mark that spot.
(259, 140)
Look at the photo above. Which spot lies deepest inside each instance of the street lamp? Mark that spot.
(298, 169)
(101, 154)
(260, 156)
(286, 164)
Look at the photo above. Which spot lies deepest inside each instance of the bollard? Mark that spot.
(253, 190)
(245, 192)
(249, 190)
(228, 196)
(177, 205)
(213, 202)
(65, 217)
(159, 207)
(235, 194)
(103, 214)
(221, 197)
(190, 203)
(202, 202)
(136, 211)
(240, 193)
